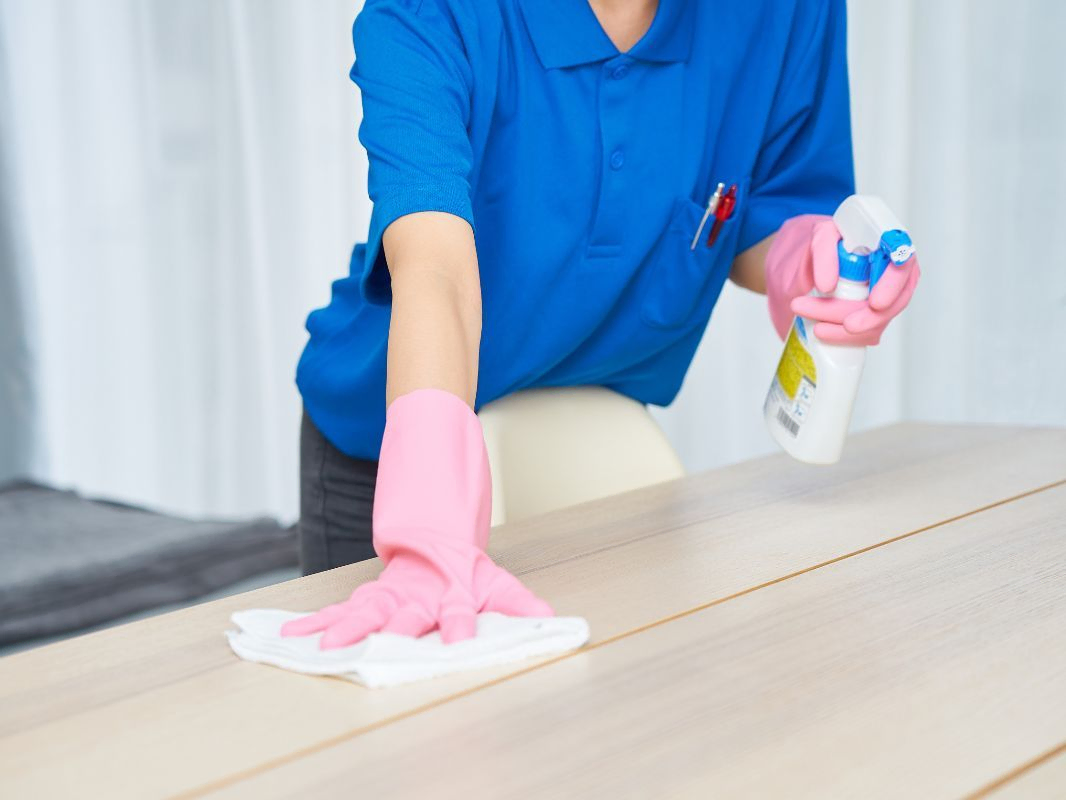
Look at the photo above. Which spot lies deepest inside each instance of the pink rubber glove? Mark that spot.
(803, 257)
(432, 505)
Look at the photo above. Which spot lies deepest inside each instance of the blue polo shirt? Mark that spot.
(584, 173)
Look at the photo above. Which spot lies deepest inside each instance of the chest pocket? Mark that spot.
(683, 283)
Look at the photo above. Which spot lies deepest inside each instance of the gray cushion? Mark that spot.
(67, 562)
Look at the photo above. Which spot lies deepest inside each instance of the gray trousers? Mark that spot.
(336, 503)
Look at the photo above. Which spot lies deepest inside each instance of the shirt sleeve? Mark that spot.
(415, 81)
(805, 163)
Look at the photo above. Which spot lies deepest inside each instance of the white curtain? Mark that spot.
(19, 439)
(181, 182)
(189, 183)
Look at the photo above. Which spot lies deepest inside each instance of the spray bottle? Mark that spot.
(808, 407)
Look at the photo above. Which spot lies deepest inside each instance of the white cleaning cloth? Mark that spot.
(389, 659)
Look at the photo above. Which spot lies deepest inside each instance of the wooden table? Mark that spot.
(893, 626)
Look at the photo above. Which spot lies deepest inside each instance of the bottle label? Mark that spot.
(795, 381)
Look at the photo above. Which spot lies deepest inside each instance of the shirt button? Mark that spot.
(620, 72)
(618, 158)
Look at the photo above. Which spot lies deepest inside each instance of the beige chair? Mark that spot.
(555, 447)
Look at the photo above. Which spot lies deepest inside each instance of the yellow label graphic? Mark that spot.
(796, 363)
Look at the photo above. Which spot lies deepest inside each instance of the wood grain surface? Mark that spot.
(925, 668)
(161, 707)
(1040, 778)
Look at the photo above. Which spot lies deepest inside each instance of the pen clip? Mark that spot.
(712, 206)
(723, 212)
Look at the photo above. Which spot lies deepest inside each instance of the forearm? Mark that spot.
(435, 332)
(749, 267)
(433, 337)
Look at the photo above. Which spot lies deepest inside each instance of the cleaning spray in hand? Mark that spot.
(808, 407)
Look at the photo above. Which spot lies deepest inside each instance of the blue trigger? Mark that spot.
(896, 248)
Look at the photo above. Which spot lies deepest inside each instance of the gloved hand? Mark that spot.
(803, 257)
(432, 506)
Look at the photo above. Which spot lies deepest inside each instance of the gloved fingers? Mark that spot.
(353, 628)
(831, 333)
(892, 284)
(410, 620)
(824, 239)
(867, 319)
(366, 590)
(458, 623)
(825, 309)
(509, 596)
(313, 623)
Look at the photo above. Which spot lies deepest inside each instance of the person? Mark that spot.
(539, 171)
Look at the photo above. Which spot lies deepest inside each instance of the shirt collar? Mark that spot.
(566, 33)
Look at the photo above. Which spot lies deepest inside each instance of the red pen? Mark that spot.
(722, 213)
